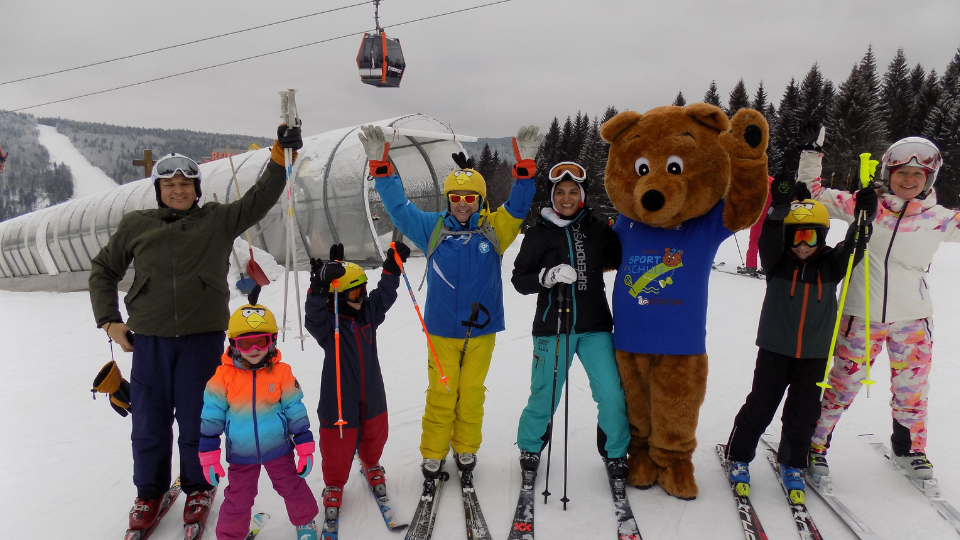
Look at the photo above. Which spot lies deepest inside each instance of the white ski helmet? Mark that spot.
(916, 152)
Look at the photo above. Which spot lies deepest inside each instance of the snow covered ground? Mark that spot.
(67, 466)
(87, 179)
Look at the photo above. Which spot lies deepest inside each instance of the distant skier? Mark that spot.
(360, 394)
(3, 159)
(571, 247)
(463, 244)
(907, 231)
(796, 326)
(255, 401)
(178, 307)
(753, 244)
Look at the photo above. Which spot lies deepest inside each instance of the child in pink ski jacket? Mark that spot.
(907, 231)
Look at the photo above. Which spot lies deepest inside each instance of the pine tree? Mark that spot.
(813, 107)
(760, 100)
(712, 97)
(581, 128)
(943, 128)
(568, 149)
(593, 158)
(897, 98)
(739, 99)
(679, 101)
(610, 113)
(486, 165)
(547, 157)
(783, 138)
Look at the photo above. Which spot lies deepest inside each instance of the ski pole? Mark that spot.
(443, 378)
(867, 169)
(553, 398)
(288, 111)
(566, 395)
(471, 323)
(253, 269)
(336, 343)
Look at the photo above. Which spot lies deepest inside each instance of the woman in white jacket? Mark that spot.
(907, 231)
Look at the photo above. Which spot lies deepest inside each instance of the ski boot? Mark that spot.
(332, 499)
(793, 480)
(529, 461)
(431, 468)
(144, 513)
(818, 464)
(308, 531)
(740, 475)
(616, 467)
(198, 506)
(376, 479)
(466, 461)
(916, 465)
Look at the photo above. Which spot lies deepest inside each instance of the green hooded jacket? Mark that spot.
(180, 261)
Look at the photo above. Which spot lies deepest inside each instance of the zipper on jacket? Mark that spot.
(573, 286)
(886, 260)
(803, 317)
(173, 262)
(253, 408)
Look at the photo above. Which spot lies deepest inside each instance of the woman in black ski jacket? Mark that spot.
(565, 254)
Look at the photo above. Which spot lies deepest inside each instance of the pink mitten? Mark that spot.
(212, 469)
(305, 453)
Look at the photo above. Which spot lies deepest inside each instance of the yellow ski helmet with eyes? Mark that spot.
(465, 179)
(353, 278)
(252, 319)
(807, 214)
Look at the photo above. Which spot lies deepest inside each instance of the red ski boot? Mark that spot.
(375, 478)
(195, 512)
(144, 513)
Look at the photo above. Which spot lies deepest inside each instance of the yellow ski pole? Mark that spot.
(843, 297)
(867, 169)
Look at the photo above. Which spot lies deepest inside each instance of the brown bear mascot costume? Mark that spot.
(684, 179)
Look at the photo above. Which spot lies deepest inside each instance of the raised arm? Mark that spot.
(746, 142)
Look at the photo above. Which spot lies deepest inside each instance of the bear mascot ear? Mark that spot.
(709, 115)
(612, 128)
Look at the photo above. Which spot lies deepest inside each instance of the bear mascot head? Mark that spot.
(684, 179)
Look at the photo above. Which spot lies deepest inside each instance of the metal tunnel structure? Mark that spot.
(51, 249)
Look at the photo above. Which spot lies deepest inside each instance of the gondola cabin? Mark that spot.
(380, 60)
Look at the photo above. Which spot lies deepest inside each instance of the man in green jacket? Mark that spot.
(178, 307)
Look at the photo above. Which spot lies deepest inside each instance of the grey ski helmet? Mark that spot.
(916, 152)
(171, 164)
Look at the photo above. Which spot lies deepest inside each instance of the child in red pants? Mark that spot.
(358, 398)
(257, 396)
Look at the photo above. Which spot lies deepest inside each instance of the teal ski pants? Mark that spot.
(595, 350)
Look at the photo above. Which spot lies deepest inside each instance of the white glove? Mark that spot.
(528, 141)
(374, 142)
(561, 273)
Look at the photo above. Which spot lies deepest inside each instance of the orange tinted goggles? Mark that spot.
(469, 199)
(805, 236)
(248, 342)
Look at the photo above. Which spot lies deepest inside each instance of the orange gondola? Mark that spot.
(380, 58)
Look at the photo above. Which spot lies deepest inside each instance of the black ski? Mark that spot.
(476, 524)
(823, 485)
(752, 530)
(522, 528)
(421, 526)
(169, 497)
(627, 528)
(929, 488)
(805, 525)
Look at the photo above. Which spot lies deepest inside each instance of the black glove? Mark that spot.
(336, 252)
(782, 192)
(866, 202)
(390, 263)
(322, 274)
(289, 137)
(807, 137)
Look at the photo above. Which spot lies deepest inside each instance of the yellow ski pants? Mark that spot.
(455, 418)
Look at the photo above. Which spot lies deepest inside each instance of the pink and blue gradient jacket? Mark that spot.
(260, 411)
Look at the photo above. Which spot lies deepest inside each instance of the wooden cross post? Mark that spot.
(147, 163)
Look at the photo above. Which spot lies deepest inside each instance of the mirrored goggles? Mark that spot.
(169, 166)
(805, 236)
(248, 342)
(469, 199)
(357, 294)
(567, 168)
(927, 155)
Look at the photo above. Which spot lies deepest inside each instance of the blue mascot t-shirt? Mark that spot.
(660, 296)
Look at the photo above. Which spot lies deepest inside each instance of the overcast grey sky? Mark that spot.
(486, 72)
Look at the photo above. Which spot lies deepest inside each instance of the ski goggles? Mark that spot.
(469, 199)
(169, 166)
(925, 154)
(567, 168)
(805, 236)
(248, 342)
(356, 294)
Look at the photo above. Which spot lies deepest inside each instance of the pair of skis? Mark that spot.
(740, 271)
(425, 515)
(191, 531)
(522, 527)
(330, 528)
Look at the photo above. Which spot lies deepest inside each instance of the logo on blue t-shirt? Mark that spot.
(484, 247)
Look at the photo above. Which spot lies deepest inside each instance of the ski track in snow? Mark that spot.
(61, 445)
(87, 179)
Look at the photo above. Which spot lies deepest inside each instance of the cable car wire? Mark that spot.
(352, 34)
(183, 44)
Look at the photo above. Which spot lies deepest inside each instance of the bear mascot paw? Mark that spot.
(684, 179)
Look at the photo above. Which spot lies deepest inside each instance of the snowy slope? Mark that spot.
(67, 464)
(87, 179)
